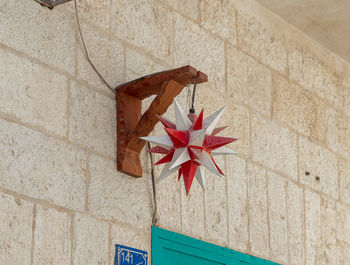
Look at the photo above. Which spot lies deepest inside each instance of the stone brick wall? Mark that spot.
(286, 195)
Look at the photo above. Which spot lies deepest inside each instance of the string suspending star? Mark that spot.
(190, 145)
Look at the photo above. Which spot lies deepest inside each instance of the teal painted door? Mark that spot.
(169, 248)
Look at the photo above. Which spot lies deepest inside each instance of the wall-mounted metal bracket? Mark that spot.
(131, 126)
(51, 3)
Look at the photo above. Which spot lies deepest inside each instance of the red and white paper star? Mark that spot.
(190, 145)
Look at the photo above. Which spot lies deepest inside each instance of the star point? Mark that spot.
(190, 145)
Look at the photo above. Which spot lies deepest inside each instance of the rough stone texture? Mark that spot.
(313, 233)
(261, 42)
(290, 120)
(169, 202)
(92, 120)
(192, 207)
(215, 205)
(24, 93)
(298, 109)
(295, 213)
(257, 203)
(338, 132)
(16, 218)
(192, 45)
(237, 119)
(219, 17)
(347, 100)
(277, 217)
(343, 253)
(314, 76)
(329, 231)
(237, 202)
(138, 65)
(129, 237)
(116, 196)
(90, 245)
(143, 24)
(343, 223)
(323, 21)
(38, 32)
(189, 8)
(274, 146)
(95, 11)
(248, 82)
(52, 237)
(344, 177)
(106, 54)
(318, 168)
(41, 167)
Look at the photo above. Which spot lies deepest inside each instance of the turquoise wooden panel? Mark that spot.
(169, 248)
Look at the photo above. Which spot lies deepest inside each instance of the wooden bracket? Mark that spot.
(131, 125)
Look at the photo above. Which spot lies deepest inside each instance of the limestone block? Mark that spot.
(210, 101)
(194, 46)
(52, 237)
(338, 132)
(15, 230)
(344, 177)
(299, 109)
(47, 35)
(257, 202)
(318, 168)
(261, 42)
(329, 231)
(189, 8)
(106, 54)
(220, 18)
(145, 24)
(33, 94)
(274, 146)
(90, 244)
(343, 253)
(215, 204)
(138, 65)
(248, 82)
(96, 11)
(130, 237)
(237, 203)
(169, 201)
(314, 76)
(236, 117)
(347, 100)
(277, 187)
(116, 196)
(296, 233)
(343, 223)
(92, 120)
(313, 236)
(192, 207)
(41, 167)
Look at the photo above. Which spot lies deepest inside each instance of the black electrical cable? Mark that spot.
(192, 110)
(86, 52)
(155, 207)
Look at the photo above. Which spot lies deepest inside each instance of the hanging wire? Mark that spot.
(188, 94)
(192, 110)
(155, 207)
(86, 52)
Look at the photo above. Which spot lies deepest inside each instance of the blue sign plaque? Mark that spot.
(130, 256)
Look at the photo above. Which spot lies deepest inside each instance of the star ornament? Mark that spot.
(190, 145)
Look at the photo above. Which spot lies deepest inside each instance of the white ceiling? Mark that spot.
(327, 21)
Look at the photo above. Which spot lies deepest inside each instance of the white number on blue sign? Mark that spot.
(130, 256)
